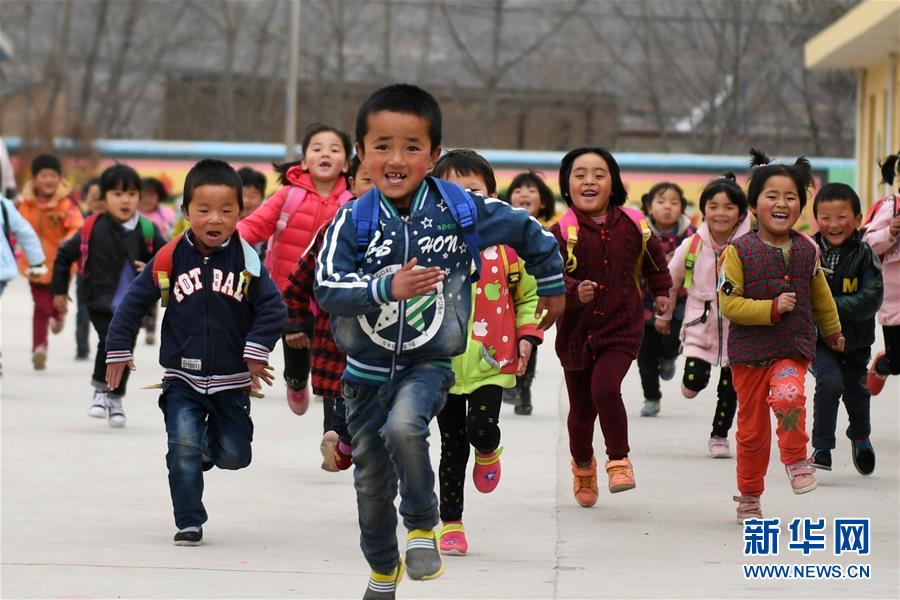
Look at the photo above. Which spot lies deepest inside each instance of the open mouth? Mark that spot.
(589, 194)
(325, 164)
(780, 217)
(395, 178)
(214, 235)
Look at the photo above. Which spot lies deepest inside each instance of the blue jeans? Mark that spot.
(840, 374)
(389, 428)
(216, 426)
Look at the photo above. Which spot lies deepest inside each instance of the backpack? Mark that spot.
(295, 197)
(87, 230)
(690, 259)
(366, 208)
(162, 268)
(513, 273)
(7, 233)
(873, 210)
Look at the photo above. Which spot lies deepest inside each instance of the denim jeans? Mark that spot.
(840, 374)
(217, 426)
(389, 428)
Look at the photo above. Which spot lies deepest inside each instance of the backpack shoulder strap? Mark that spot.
(568, 228)
(511, 266)
(251, 266)
(690, 259)
(84, 248)
(465, 213)
(295, 197)
(162, 269)
(6, 230)
(147, 233)
(364, 213)
(640, 221)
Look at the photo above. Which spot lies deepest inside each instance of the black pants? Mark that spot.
(459, 428)
(335, 418)
(82, 322)
(101, 321)
(696, 378)
(889, 364)
(296, 366)
(840, 375)
(655, 347)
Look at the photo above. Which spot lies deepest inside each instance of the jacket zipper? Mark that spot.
(402, 317)
(208, 353)
(718, 310)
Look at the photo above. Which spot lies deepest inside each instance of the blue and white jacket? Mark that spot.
(25, 237)
(211, 326)
(381, 335)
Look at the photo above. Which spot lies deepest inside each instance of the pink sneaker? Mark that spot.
(748, 508)
(718, 447)
(298, 400)
(801, 476)
(486, 473)
(453, 538)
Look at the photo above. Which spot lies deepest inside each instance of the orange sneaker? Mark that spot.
(621, 475)
(585, 484)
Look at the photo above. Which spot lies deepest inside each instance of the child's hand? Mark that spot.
(554, 307)
(139, 266)
(662, 305)
(37, 270)
(409, 282)
(114, 373)
(838, 343)
(297, 341)
(662, 327)
(895, 226)
(786, 302)
(525, 348)
(260, 370)
(586, 291)
(60, 304)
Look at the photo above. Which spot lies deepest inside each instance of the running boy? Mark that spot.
(220, 298)
(400, 322)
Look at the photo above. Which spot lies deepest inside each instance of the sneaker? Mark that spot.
(748, 508)
(39, 358)
(863, 457)
(298, 400)
(650, 408)
(383, 586)
(189, 536)
(801, 476)
(667, 369)
(328, 448)
(453, 538)
(486, 472)
(620, 474)
(116, 412)
(718, 447)
(423, 559)
(511, 396)
(343, 456)
(150, 338)
(82, 355)
(56, 325)
(585, 483)
(523, 406)
(99, 404)
(821, 459)
(875, 380)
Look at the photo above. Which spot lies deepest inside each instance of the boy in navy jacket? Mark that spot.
(223, 318)
(400, 302)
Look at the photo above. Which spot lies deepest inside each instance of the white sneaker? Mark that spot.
(116, 412)
(99, 404)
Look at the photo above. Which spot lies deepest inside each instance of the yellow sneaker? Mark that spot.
(383, 586)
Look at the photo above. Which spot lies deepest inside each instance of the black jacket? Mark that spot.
(111, 248)
(857, 287)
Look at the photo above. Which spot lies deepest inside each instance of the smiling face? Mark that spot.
(397, 153)
(213, 214)
(590, 184)
(836, 221)
(777, 208)
(527, 197)
(665, 208)
(325, 158)
(122, 204)
(721, 216)
(45, 183)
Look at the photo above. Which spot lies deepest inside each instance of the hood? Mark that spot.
(297, 176)
(62, 191)
(742, 228)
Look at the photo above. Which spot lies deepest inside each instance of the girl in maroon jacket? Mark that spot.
(607, 248)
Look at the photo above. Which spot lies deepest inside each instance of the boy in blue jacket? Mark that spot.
(224, 316)
(399, 296)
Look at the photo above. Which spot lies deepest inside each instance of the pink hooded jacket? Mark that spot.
(878, 235)
(704, 339)
(301, 230)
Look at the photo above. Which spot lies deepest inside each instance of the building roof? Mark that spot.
(866, 35)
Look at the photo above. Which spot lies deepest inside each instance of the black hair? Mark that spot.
(212, 171)
(617, 196)
(890, 168)
(762, 168)
(466, 162)
(354, 167)
(119, 177)
(832, 192)
(405, 99)
(312, 131)
(252, 178)
(535, 180)
(87, 185)
(157, 186)
(726, 184)
(659, 188)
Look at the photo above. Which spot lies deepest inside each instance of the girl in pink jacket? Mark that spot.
(314, 188)
(883, 234)
(704, 333)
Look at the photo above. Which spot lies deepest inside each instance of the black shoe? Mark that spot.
(523, 407)
(511, 396)
(821, 459)
(82, 355)
(208, 463)
(189, 536)
(864, 457)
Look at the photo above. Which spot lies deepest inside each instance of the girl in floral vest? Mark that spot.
(774, 293)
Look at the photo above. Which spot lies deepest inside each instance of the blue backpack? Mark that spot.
(366, 208)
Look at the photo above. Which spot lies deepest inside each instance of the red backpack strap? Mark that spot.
(86, 230)
(162, 269)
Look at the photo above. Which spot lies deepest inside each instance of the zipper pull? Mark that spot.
(205, 260)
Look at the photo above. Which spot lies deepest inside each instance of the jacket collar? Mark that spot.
(851, 242)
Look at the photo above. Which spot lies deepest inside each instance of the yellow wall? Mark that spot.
(872, 118)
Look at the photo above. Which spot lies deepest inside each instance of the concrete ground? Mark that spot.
(86, 510)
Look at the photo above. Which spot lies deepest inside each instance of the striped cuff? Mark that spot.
(257, 352)
(380, 290)
(551, 285)
(115, 356)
